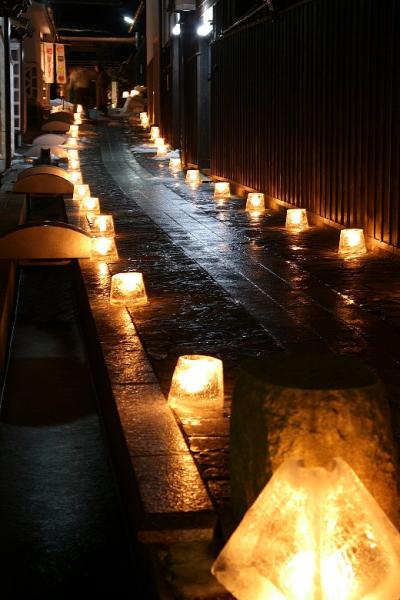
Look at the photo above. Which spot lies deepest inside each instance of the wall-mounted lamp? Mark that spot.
(206, 26)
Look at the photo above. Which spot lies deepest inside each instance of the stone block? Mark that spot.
(316, 408)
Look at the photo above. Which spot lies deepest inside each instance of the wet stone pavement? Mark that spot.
(229, 284)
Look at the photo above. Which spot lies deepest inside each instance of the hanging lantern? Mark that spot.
(75, 176)
(79, 108)
(81, 191)
(74, 164)
(255, 201)
(193, 176)
(90, 205)
(312, 534)
(125, 95)
(175, 164)
(103, 248)
(102, 225)
(296, 219)
(128, 289)
(197, 382)
(222, 189)
(154, 133)
(352, 243)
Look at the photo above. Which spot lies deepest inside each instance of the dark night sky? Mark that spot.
(95, 17)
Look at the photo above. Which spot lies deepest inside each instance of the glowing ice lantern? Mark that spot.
(103, 225)
(255, 201)
(175, 164)
(77, 119)
(193, 176)
(91, 205)
(75, 176)
(352, 243)
(79, 108)
(143, 116)
(159, 141)
(125, 94)
(73, 154)
(135, 93)
(72, 142)
(154, 132)
(128, 289)
(296, 219)
(73, 131)
(197, 382)
(222, 189)
(81, 191)
(103, 248)
(312, 534)
(74, 164)
(162, 150)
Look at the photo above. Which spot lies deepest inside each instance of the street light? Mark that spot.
(206, 27)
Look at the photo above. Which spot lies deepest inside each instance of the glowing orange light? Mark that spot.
(135, 93)
(222, 189)
(72, 142)
(103, 247)
(197, 382)
(81, 190)
(75, 176)
(128, 289)
(125, 94)
(162, 150)
(103, 225)
(74, 164)
(79, 108)
(90, 204)
(143, 115)
(352, 243)
(73, 131)
(312, 534)
(159, 141)
(193, 176)
(73, 154)
(296, 219)
(154, 132)
(175, 164)
(255, 201)
(77, 119)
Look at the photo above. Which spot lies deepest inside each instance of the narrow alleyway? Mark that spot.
(223, 282)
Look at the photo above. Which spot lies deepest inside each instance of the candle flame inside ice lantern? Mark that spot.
(74, 164)
(197, 382)
(81, 191)
(222, 189)
(312, 534)
(193, 176)
(103, 247)
(73, 131)
(175, 164)
(103, 225)
(352, 243)
(73, 154)
(154, 132)
(255, 201)
(128, 289)
(75, 176)
(296, 219)
(162, 150)
(90, 204)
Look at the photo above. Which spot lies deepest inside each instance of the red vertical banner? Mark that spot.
(60, 64)
(48, 62)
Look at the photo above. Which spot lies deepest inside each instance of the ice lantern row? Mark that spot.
(312, 534)
(197, 382)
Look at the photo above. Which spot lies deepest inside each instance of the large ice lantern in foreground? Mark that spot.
(312, 534)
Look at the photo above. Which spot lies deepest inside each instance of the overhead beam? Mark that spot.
(110, 40)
